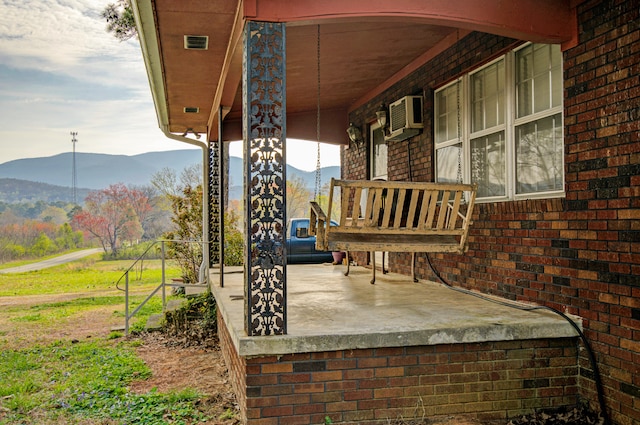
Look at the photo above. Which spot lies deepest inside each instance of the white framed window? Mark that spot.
(448, 134)
(500, 126)
(379, 153)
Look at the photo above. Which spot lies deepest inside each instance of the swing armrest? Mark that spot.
(318, 225)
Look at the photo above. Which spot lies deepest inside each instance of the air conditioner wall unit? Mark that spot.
(405, 118)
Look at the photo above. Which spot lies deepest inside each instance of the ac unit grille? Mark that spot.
(398, 115)
(405, 118)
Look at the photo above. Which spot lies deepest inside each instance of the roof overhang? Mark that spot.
(365, 47)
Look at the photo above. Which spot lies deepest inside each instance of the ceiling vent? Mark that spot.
(191, 109)
(196, 42)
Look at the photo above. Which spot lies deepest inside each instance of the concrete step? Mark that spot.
(154, 322)
(194, 290)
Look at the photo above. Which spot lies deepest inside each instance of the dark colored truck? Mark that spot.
(301, 247)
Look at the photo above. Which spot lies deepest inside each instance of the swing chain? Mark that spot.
(318, 164)
(459, 176)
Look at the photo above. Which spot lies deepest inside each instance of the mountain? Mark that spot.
(97, 171)
(23, 191)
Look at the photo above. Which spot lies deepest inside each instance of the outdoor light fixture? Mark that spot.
(355, 135)
(381, 117)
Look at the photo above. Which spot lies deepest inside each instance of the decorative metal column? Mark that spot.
(263, 89)
(215, 213)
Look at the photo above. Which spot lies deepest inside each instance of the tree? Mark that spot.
(168, 183)
(298, 197)
(165, 181)
(53, 214)
(66, 238)
(42, 246)
(110, 215)
(158, 220)
(187, 217)
(139, 201)
(120, 20)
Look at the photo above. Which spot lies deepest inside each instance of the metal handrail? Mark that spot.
(162, 285)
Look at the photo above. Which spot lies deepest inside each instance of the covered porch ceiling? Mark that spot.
(365, 47)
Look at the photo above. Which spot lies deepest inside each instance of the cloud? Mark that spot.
(61, 72)
(67, 38)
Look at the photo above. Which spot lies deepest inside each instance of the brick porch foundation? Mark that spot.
(492, 380)
(369, 354)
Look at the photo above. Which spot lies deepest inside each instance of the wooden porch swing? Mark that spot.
(394, 216)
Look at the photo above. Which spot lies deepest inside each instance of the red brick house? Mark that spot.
(538, 102)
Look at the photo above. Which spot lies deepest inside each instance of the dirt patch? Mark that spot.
(177, 367)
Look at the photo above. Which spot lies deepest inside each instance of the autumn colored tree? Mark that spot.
(110, 215)
(31, 238)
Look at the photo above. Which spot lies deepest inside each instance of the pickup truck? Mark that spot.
(301, 247)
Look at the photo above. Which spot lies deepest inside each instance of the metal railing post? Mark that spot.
(164, 292)
(162, 286)
(126, 304)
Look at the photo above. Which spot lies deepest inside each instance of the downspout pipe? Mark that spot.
(204, 267)
(147, 34)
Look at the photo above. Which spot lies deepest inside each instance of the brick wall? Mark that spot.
(580, 253)
(372, 386)
(601, 225)
(236, 365)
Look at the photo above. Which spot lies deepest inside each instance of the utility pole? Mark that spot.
(74, 178)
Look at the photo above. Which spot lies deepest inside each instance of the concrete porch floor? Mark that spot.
(327, 311)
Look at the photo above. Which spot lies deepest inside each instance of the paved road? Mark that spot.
(56, 261)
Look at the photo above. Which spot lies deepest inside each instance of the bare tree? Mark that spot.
(298, 197)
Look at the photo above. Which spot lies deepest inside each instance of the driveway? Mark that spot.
(56, 261)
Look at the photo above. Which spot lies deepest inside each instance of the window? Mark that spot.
(448, 134)
(500, 126)
(379, 153)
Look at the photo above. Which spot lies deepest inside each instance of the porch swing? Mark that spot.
(392, 216)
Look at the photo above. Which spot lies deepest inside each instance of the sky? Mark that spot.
(61, 72)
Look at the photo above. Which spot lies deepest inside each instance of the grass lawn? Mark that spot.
(85, 275)
(49, 377)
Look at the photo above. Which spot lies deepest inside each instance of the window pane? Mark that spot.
(525, 96)
(524, 81)
(539, 155)
(447, 164)
(447, 114)
(452, 121)
(541, 96)
(477, 109)
(379, 151)
(488, 165)
(441, 132)
(556, 76)
(540, 59)
(486, 97)
(538, 78)
(541, 77)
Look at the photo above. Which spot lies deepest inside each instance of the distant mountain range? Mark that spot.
(49, 178)
(23, 191)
